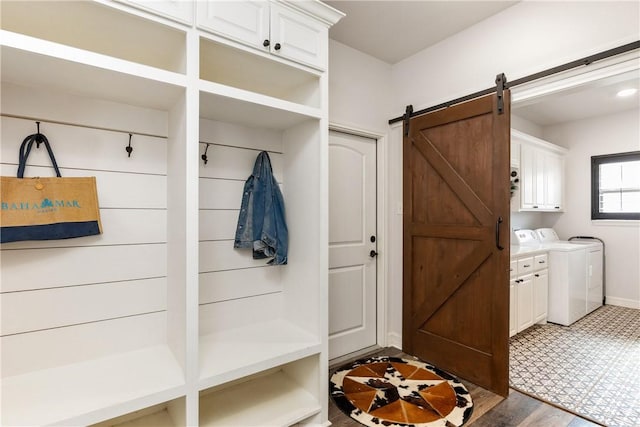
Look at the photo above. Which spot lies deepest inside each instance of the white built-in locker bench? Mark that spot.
(159, 321)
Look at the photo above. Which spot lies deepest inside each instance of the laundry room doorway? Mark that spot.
(353, 243)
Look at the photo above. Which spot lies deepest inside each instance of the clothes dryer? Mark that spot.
(594, 264)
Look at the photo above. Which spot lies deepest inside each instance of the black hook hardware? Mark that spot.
(38, 137)
(129, 149)
(204, 156)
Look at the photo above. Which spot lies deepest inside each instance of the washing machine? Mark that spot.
(594, 264)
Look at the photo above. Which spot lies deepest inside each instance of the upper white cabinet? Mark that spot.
(541, 173)
(273, 27)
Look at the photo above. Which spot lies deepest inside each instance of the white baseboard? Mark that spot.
(623, 302)
(394, 340)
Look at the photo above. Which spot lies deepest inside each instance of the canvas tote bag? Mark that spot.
(46, 208)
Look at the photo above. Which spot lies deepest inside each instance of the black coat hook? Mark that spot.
(204, 156)
(38, 137)
(129, 148)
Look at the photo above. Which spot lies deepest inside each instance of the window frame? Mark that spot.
(596, 161)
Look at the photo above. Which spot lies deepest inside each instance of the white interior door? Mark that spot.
(352, 243)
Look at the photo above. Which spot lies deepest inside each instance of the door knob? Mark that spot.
(277, 46)
(373, 254)
(266, 43)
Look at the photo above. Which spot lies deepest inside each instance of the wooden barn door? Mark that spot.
(456, 240)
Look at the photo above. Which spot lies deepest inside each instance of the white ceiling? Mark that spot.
(393, 30)
(592, 100)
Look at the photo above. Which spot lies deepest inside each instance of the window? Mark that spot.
(615, 186)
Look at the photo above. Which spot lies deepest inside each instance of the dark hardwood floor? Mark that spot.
(490, 410)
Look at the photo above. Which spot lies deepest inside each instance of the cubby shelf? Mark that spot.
(269, 400)
(28, 61)
(94, 390)
(229, 104)
(235, 353)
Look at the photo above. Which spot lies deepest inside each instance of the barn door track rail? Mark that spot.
(501, 83)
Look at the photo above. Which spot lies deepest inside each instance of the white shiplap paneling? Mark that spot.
(24, 353)
(236, 284)
(58, 267)
(120, 227)
(115, 189)
(229, 315)
(84, 148)
(218, 224)
(54, 308)
(235, 163)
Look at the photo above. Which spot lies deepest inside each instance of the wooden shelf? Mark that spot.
(235, 353)
(270, 400)
(85, 73)
(88, 392)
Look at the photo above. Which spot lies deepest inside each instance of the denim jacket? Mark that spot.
(261, 223)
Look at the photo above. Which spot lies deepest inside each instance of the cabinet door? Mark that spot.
(527, 177)
(539, 200)
(298, 37)
(553, 177)
(513, 307)
(243, 21)
(525, 302)
(540, 295)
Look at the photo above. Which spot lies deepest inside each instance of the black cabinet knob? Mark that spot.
(277, 46)
(373, 254)
(266, 43)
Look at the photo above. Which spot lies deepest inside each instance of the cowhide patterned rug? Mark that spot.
(390, 391)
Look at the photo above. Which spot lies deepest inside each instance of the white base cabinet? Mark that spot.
(160, 321)
(528, 289)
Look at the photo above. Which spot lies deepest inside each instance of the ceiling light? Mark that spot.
(627, 92)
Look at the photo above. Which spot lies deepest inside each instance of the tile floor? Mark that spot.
(591, 368)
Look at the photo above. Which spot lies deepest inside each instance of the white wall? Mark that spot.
(525, 38)
(359, 89)
(585, 138)
(528, 37)
(360, 100)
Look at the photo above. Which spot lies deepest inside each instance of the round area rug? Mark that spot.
(390, 391)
